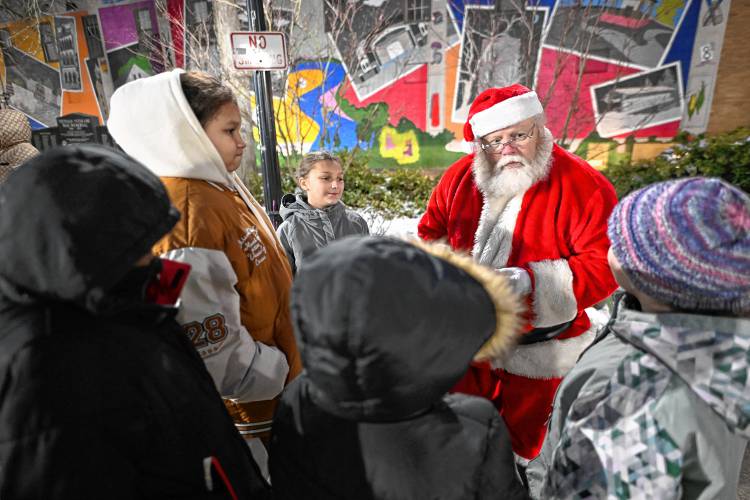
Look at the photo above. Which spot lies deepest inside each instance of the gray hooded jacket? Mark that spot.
(305, 229)
(658, 407)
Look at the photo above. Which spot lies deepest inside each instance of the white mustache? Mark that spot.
(505, 160)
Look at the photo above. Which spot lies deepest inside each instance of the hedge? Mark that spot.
(405, 192)
(726, 156)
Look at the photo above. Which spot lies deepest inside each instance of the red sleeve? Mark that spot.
(592, 278)
(480, 380)
(565, 286)
(433, 224)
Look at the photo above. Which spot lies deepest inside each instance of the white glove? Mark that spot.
(518, 279)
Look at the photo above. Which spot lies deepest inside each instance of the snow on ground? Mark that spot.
(399, 227)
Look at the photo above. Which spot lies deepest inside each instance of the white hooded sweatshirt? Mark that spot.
(152, 121)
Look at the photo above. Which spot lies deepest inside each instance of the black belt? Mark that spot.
(543, 334)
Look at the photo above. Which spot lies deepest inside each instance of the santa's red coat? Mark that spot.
(556, 231)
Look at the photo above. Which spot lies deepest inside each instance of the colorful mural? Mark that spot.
(396, 77)
(131, 39)
(404, 148)
(49, 69)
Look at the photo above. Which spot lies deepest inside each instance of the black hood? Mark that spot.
(385, 328)
(74, 220)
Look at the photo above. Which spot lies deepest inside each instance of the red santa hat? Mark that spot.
(498, 108)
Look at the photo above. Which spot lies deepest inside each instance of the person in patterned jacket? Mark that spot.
(659, 406)
(235, 305)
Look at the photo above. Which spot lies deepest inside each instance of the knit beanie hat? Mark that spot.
(686, 243)
(498, 108)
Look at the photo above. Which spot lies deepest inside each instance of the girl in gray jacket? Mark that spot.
(317, 216)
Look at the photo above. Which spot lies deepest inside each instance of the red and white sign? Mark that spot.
(259, 50)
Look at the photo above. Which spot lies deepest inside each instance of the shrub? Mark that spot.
(391, 193)
(726, 156)
(254, 182)
(253, 179)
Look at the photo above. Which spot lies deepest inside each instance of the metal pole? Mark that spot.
(264, 104)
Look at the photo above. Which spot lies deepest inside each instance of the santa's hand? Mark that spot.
(518, 279)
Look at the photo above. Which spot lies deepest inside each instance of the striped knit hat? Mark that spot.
(686, 243)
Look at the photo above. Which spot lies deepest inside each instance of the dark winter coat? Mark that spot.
(305, 229)
(385, 329)
(101, 394)
(658, 407)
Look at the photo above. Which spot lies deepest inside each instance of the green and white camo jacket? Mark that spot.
(658, 408)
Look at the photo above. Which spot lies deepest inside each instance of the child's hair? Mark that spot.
(310, 159)
(205, 94)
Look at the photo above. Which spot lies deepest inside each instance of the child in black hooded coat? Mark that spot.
(102, 395)
(386, 328)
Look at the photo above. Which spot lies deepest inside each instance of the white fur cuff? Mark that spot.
(549, 359)
(554, 300)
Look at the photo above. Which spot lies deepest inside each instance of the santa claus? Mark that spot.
(526, 207)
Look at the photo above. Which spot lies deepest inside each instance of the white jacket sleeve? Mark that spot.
(242, 369)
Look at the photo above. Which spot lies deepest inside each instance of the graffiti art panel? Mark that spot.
(68, 55)
(499, 47)
(628, 32)
(132, 42)
(635, 102)
(30, 64)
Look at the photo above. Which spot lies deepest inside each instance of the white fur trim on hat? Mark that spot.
(506, 113)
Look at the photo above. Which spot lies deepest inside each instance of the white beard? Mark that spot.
(496, 181)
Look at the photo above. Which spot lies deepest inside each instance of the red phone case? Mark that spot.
(166, 288)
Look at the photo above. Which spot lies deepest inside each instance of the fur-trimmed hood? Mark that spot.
(387, 327)
(508, 308)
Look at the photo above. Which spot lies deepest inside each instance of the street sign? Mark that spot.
(259, 50)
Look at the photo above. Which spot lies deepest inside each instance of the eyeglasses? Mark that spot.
(497, 145)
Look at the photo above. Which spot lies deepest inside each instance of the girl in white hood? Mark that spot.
(185, 127)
